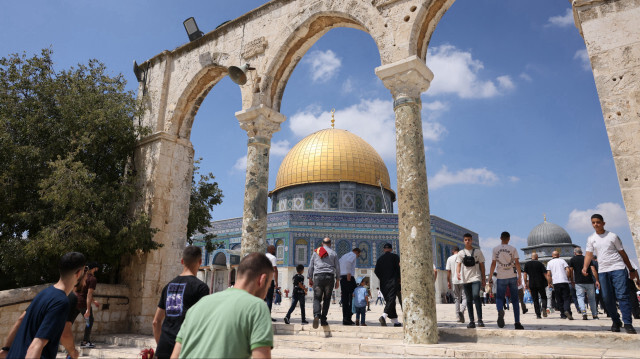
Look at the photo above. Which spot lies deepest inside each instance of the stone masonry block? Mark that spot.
(619, 84)
(612, 61)
(624, 139)
(628, 174)
(621, 109)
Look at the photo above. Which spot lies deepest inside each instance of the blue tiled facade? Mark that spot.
(296, 233)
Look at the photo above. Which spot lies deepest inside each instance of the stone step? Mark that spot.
(569, 336)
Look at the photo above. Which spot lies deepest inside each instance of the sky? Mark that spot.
(512, 122)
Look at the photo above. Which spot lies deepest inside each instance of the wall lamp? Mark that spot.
(192, 29)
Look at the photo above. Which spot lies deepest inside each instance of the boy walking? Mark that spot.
(360, 301)
(299, 292)
(470, 272)
(507, 265)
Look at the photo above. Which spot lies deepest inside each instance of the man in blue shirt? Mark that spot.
(39, 331)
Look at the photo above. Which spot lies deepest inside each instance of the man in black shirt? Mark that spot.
(178, 296)
(535, 280)
(388, 272)
(584, 284)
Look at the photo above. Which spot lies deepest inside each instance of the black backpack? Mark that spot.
(469, 261)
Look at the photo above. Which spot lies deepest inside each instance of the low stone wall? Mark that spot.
(110, 318)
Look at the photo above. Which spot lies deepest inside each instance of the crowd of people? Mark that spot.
(190, 323)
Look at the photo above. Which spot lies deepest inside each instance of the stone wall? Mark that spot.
(110, 318)
(611, 33)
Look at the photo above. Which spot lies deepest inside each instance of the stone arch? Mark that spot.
(426, 21)
(191, 98)
(301, 40)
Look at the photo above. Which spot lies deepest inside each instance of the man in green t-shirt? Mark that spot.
(235, 323)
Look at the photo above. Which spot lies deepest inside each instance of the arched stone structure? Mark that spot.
(273, 38)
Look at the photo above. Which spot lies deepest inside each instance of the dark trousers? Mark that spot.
(322, 288)
(347, 288)
(390, 290)
(295, 299)
(472, 292)
(87, 329)
(269, 298)
(535, 292)
(563, 296)
(633, 298)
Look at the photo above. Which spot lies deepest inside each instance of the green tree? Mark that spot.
(205, 194)
(67, 140)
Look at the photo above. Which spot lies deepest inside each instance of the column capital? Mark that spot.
(260, 122)
(406, 78)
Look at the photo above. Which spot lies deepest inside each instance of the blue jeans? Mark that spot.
(614, 286)
(472, 292)
(361, 312)
(590, 290)
(512, 283)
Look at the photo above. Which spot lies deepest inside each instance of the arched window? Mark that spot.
(280, 249)
(364, 260)
(343, 248)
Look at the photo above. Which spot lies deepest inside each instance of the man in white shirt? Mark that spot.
(558, 273)
(271, 255)
(507, 265)
(613, 264)
(348, 283)
(456, 285)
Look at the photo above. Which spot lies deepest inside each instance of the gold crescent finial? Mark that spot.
(545, 216)
(333, 120)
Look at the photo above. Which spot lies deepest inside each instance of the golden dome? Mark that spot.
(332, 155)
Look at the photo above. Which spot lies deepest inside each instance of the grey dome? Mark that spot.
(548, 233)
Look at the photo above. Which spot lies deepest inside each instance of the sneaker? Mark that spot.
(363, 324)
(480, 323)
(518, 326)
(595, 317)
(324, 323)
(629, 329)
(569, 316)
(273, 320)
(524, 310)
(539, 316)
(501, 318)
(584, 317)
(397, 324)
(357, 322)
(347, 322)
(316, 320)
(87, 345)
(304, 322)
(471, 325)
(545, 313)
(615, 327)
(461, 317)
(383, 322)
(286, 320)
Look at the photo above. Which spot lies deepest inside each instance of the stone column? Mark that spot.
(407, 79)
(260, 123)
(164, 164)
(612, 36)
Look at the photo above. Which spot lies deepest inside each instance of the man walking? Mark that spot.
(37, 332)
(233, 323)
(470, 269)
(348, 283)
(558, 278)
(85, 299)
(507, 265)
(271, 254)
(584, 284)
(536, 281)
(324, 268)
(177, 297)
(455, 284)
(388, 272)
(613, 265)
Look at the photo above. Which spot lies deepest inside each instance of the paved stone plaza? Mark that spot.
(550, 337)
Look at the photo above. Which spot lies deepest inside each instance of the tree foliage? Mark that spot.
(205, 194)
(66, 143)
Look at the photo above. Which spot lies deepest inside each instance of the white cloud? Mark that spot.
(525, 77)
(561, 20)
(583, 57)
(371, 119)
(323, 65)
(347, 86)
(455, 71)
(514, 179)
(241, 164)
(614, 216)
(279, 148)
(481, 176)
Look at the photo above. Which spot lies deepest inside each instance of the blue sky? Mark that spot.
(513, 125)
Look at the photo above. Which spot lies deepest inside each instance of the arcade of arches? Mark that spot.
(273, 38)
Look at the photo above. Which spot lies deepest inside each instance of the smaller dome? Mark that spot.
(548, 233)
